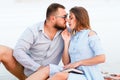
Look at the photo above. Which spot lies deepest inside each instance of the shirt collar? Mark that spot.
(41, 26)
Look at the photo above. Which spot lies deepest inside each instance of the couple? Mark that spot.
(41, 47)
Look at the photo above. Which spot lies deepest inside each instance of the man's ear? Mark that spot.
(52, 19)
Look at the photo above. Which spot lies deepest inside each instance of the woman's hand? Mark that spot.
(72, 65)
(66, 35)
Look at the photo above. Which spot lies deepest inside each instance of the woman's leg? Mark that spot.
(41, 74)
(59, 76)
(10, 63)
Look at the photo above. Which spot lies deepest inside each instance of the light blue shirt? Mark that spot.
(34, 48)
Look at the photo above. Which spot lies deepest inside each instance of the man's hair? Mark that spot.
(52, 9)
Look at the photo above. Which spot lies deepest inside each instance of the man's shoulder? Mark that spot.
(37, 26)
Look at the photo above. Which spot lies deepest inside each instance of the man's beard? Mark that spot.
(59, 27)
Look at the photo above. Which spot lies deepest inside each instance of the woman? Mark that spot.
(82, 50)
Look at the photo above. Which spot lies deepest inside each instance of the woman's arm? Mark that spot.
(93, 61)
(99, 58)
(87, 62)
(66, 37)
(96, 59)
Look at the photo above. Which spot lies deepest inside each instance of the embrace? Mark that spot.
(41, 47)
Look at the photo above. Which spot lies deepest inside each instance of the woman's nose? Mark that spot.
(67, 19)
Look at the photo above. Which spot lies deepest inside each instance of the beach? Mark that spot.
(5, 75)
(17, 15)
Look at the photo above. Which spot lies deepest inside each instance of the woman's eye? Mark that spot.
(71, 18)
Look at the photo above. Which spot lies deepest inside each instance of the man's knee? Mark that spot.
(5, 51)
(62, 75)
(6, 57)
(59, 74)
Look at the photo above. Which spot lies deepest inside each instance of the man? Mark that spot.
(40, 44)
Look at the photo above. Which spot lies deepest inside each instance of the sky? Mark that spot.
(17, 15)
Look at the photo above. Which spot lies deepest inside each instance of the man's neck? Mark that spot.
(49, 30)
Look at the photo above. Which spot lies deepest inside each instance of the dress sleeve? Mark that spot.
(95, 45)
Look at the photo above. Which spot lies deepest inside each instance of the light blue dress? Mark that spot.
(83, 47)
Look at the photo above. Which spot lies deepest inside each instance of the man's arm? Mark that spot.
(22, 47)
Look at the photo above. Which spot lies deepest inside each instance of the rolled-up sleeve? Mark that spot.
(21, 50)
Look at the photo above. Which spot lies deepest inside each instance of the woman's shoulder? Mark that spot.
(91, 33)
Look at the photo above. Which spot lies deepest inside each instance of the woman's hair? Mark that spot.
(52, 9)
(82, 18)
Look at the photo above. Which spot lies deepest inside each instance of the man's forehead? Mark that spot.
(61, 11)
